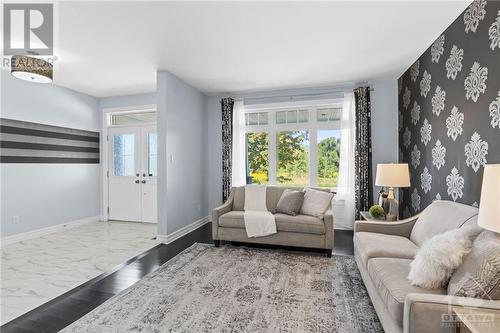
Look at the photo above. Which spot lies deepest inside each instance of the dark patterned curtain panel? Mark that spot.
(363, 151)
(227, 144)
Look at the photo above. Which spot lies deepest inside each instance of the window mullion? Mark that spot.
(272, 148)
(313, 148)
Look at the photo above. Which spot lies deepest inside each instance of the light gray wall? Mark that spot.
(384, 129)
(384, 102)
(161, 128)
(44, 195)
(127, 100)
(181, 147)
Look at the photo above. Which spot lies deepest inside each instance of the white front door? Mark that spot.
(132, 173)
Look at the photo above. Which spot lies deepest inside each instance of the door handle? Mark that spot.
(137, 181)
(144, 182)
(137, 175)
(144, 175)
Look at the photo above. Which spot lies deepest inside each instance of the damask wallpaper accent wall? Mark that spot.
(449, 111)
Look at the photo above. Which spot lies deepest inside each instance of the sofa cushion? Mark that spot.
(290, 202)
(388, 275)
(441, 216)
(373, 245)
(469, 222)
(316, 202)
(273, 194)
(239, 198)
(299, 223)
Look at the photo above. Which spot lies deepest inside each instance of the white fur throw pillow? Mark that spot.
(439, 256)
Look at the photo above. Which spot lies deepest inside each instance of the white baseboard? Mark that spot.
(167, 239)
(48, 230)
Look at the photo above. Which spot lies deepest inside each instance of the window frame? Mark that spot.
(312, 126)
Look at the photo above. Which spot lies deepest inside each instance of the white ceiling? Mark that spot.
(115, 48)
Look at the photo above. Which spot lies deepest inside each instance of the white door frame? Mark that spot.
(106, 121)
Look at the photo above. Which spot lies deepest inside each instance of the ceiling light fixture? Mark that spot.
(31, 69)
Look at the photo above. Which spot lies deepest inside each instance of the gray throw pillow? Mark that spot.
(479, 274)
(290, 202)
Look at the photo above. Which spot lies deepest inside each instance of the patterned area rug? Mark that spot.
(239, 289)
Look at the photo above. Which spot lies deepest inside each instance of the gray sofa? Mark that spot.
(383, 252)
(300, 231)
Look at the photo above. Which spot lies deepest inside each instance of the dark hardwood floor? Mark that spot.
(72, 305)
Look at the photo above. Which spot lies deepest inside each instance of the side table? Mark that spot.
(367, 216)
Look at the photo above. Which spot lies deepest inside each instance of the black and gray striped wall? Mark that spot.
(26, 142)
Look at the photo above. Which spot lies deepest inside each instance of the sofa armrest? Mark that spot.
(219, 211)
(434, 313)
(398, 228)
(328, 219)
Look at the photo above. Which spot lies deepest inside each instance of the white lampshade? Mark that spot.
(393, 175)
(489, 209)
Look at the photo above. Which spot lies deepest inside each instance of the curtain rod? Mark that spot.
(299, 96)
(313, 94)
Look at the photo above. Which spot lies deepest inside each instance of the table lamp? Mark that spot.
(392, 175)
(489, 208)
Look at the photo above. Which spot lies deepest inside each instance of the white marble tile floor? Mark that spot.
(37, 270)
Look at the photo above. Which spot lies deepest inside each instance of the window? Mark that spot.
(292, 150)
(257, 146)
(133, 118)
(294, 146)
(328, 157)
(252, 119)
(292, 116)
(123, 160)
(328, 114)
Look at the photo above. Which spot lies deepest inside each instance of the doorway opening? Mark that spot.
(131, 166)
